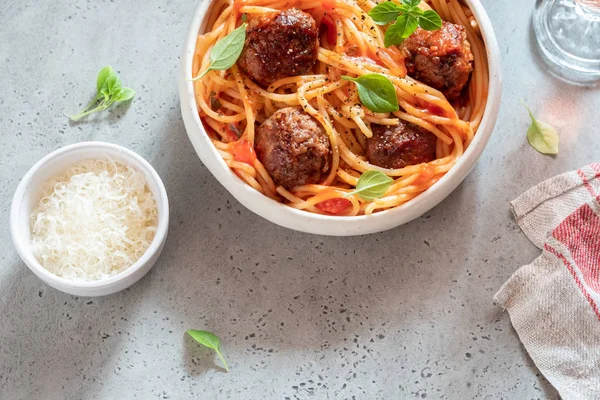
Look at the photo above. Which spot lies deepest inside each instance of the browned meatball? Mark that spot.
(401, 145)
(442, 59)
(294, 148)
(279, 44)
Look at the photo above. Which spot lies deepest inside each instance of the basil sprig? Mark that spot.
(376, 92)
(372, 185)
(210, 340)
(226, 51)
(542, 136)
(406, 17)
(109, 91)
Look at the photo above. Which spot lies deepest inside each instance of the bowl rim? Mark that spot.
(155, 246)
(304, 221)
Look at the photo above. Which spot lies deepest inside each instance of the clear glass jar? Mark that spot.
(568, 36)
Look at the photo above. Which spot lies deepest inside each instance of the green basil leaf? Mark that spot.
(115, 95)
(210, 340)
(392, 36)
(111, 80)
(386, 12)
(404, 26)
(226, 51)
(111, 85)
(109, 90)
(376, 92)
(542, 136)
(126, 94)
(372, 185)
(411, 3)
(102, 76)
(417, 11)
(407, 24)
(430, 21)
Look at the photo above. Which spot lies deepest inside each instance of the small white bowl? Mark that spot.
(324, 224)
(26, 199)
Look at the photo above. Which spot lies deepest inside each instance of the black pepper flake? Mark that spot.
(215, 104)
(235, 130)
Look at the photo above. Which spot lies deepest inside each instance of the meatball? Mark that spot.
(400, 145)
(279, 44)
(294, 148)
(442, 59)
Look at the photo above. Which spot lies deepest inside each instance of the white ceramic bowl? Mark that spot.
(26, 199)
(332, 225)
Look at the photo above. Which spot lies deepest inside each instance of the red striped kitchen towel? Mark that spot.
(554, 302)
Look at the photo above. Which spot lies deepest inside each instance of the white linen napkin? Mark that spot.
(554, 302)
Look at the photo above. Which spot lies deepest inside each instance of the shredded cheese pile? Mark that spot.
(94, 221)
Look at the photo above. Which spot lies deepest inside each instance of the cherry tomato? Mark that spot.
(244, 152)
(334, 206)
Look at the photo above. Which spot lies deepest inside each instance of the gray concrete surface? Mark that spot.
(398, 315)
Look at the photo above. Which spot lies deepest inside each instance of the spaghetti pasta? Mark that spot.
(357, 48)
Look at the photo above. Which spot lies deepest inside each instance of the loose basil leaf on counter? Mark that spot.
(384, 13)
(372, 185)
(210, 340)
(226, 51)
(376, 92)
(126, 94)
(430, 21)
(109, 91)
(111, 85)
(542, 136)
(103, 76)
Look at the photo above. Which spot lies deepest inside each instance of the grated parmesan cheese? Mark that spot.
(94, 221)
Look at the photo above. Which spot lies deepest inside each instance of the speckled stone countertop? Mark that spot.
(397, 315)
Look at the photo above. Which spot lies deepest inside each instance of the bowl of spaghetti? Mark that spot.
(340, 117)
